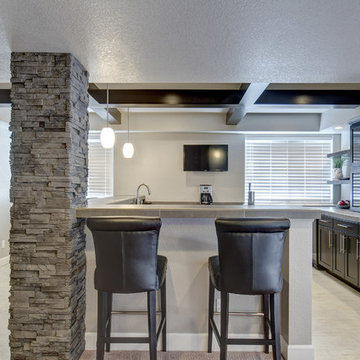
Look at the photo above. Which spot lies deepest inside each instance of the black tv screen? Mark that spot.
(205, 157)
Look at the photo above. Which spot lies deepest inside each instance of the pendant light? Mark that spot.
(128, 148)
(107, 136)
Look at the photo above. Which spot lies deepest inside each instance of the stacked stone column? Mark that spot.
(49, 124)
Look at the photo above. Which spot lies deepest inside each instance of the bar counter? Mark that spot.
(124, 206)
(188, 238)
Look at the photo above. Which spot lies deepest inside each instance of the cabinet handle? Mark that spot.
(344, 226)
(341, 244)
(329, 239)
(357, 250)
(324, 221)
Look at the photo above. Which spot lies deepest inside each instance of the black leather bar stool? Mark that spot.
(127, 262)
(249, 263)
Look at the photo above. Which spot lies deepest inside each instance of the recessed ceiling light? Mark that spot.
(338, 128)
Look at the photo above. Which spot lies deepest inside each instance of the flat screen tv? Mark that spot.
(205, 157)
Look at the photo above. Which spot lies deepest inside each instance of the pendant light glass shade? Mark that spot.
(128, 148)
(107, 135)
(107, 138)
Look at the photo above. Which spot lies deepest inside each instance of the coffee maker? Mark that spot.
(206, 194)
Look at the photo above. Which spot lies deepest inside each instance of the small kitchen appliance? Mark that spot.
(206, 194)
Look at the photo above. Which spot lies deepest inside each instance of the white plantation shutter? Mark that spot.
(288, 169)
(101, 163)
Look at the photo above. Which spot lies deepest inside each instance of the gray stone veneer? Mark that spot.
(49, 124)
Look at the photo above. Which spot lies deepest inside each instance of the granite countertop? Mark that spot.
(343, 214)
(124, 206)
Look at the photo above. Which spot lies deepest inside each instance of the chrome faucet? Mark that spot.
(137, 192)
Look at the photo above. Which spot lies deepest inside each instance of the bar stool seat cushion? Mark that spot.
(161, 270)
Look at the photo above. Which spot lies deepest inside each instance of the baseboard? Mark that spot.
(176, 342)
(4, 261)
(296, 352)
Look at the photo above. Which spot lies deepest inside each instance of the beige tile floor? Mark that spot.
(336, 320)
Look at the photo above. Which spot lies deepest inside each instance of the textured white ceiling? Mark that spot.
(148, 41)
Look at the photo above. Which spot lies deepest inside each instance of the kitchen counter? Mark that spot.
(343, 214)
(123, 206)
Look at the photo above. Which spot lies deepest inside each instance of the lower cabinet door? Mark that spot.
(351, 259)
(325, 247)
(339, 254)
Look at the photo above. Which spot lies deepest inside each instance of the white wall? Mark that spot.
(159, 137)
(4, 188)
(158, 162)
(180, 121)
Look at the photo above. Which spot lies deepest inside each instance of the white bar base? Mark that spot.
(297, 352)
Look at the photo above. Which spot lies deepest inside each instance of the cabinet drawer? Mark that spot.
(346, 226)
(326, 221)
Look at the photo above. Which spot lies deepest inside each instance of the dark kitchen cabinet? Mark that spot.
(325, 247)
(338, 249)
(338, 254)
(351, 259)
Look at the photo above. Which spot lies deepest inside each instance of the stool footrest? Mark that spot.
(120, 340)
(250, 341)
(242, 313)
(132, 312)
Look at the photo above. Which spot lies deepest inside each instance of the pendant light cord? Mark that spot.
(107, 105)
(128, 123)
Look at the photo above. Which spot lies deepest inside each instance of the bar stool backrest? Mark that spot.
(250, 254)
(126, 253)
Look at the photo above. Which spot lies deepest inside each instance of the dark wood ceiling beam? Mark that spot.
(114, 115)
(309, 97)
(252, 93)
(168, 98)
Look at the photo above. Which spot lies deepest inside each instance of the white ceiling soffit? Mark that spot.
(296, 109)
(154, 41)
(265, 109)
(170, 86)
